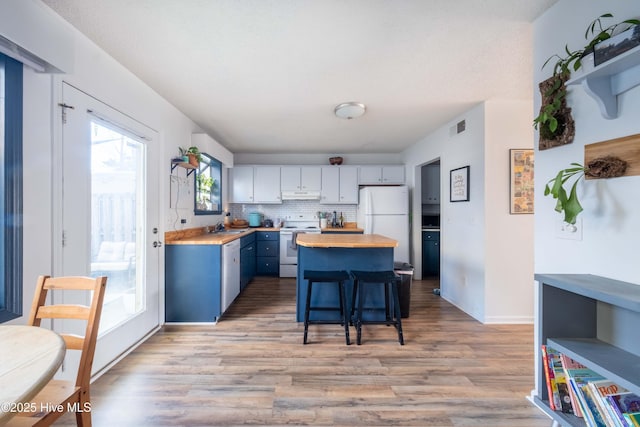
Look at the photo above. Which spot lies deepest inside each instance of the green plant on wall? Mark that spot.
(568, 203)
(553, 120)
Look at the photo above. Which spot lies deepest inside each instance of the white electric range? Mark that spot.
(293, 226)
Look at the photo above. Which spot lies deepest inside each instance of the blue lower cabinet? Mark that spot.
(247, 260)
(430, 253)
(192, 283)
(267, 253)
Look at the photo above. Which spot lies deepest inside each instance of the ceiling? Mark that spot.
(264, 76)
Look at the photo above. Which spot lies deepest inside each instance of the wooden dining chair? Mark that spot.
(58, 394)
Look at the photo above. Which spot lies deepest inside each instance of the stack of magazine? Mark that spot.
(575, 389)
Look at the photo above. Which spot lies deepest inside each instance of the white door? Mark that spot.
(110, 212)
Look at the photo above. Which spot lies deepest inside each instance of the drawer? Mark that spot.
(267, 265)
(267, 248)
(268, 235)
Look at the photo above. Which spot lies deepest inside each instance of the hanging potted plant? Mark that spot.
(568, 203)
(554, 122)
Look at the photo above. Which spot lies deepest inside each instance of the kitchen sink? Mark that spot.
(230, 231)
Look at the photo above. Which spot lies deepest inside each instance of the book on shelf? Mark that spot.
(551, 363)
(600, 390)
(635, 419)
(578, 376)
(593, 413)
(626, 406)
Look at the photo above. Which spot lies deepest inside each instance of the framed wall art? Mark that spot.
(521, 181)
(459, 184)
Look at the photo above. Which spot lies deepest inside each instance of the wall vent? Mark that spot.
(461, 126)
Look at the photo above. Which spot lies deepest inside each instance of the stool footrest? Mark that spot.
(325, 309)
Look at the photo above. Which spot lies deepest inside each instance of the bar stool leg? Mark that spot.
(306, 311)
(353, 301)
(387, 307)
(343, 311)
(396, 311)
(359, 316)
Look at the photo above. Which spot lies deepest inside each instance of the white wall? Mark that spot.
(509, 238)
(462, 230)
(481, 272)
(102, 77)
(611, 226)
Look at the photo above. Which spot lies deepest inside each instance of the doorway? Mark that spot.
(430, 219)
(110, 213)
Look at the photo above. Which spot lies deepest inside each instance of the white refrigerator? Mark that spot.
(385, 211)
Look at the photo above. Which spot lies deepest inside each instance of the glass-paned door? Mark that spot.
(110, 213)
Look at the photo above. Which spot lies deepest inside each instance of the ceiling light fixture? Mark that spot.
(349, 110)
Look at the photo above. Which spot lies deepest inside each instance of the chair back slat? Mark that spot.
(73, 342)
(70, 283)
(90, 313)
(64, 311)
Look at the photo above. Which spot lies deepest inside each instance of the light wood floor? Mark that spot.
(252, 369)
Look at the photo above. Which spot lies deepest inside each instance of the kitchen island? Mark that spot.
(341, 252)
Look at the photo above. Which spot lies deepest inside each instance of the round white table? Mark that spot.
(29, 358)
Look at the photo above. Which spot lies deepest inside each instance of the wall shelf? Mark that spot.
(606, 81)
(188, 166)
(593, 320)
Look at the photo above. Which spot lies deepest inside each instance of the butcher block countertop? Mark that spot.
(199, 236)
(345, 241)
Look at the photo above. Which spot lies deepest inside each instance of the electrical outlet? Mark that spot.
(569, 231)
(183, 221)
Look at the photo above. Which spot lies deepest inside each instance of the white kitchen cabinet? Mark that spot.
(431, 185)
(339, 185)
(391, 174)
(241, 179)
(266, 184)
(255, 184)
(300, 178)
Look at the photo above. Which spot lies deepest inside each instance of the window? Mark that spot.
(208, 192)
(11, 186)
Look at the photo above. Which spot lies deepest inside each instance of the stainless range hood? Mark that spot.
(300, 195)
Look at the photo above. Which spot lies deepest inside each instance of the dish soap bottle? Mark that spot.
(341, 224)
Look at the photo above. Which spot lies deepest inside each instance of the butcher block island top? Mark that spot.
(345, 241)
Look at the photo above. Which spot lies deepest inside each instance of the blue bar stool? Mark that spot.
(366, 279)
(323, 278)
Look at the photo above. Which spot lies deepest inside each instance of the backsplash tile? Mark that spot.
(307, 208)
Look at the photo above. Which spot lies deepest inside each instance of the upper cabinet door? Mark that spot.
(241, 180)
(376, 175)
(339, 185)
(349, 185)
(370, 175)
(290, 178)
(393, 174)
(310, 178)
(330, 192)
(266, 184)
(300, 178)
